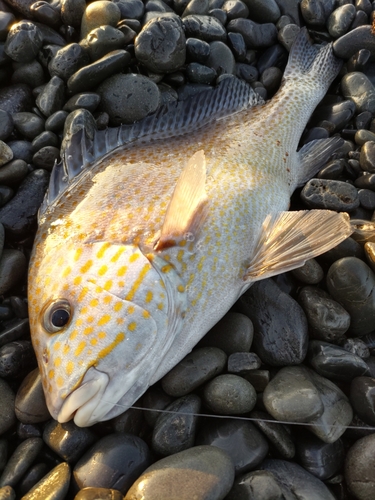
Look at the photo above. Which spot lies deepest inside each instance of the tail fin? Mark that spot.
(319, 62)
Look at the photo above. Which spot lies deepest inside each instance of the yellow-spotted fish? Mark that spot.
(149, 233)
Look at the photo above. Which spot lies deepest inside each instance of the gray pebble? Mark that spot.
(356, 346)
(278, 435)
(359, 467)
(132, 9)
(51, 98)
(85, 100)
(340, 20)
(21, 459)
(102, 40)
(287, 35)
(142, 97)
(246, 446)
(68, 60)
(22, 150)
(339, 114)
(55, 122)
(46, 157)
(229, 395)
(351, 282)
(357, 87)
(367, 199)
(197, 50)
(23, 41)
(17, 97)
(221, 58)
(367, 156)
(6, 125)
(362, 393)
(263, 12)
(195, 369)
(357, 39)
(205, 472)
(99, 13)
(271, 79)
(6, 193)
(257, 484)
(313, 13)
(53, 485)
(330, 195)
(12, 267)
(6, 153)
(220, 15)
(29, 73)
(205, 28)
(13, 173)
(46, 138)
(256, 36)
(310, 273)
(6, 21)
(280, 324)
(274, 56)
(199, 73)
(28, 124)
(16, 359)
(72, 12)
(247, 72)
(332, 170)
(67, 440)
(155, 399)
(7, 415)
(175, 431)
(237, 45)
(30, 404)
(259, 379)
(323, 460)
(235, 9)
(242, 363)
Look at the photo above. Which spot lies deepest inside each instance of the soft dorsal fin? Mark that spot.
(188, 206)
(83, 150)
(290, 238)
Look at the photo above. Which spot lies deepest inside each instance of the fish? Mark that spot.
(150, 232)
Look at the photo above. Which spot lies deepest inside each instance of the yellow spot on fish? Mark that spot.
(138, 281)
(120, 321)
(74, 334)
(56, 346)
(107, 299)
(66, 272)
(117, 307)
(66, 349)
(90, 319)
(131, 309)
(107, 350)
(103, 270)
(86, 266)
(82, 294)
(104, 320)
(93, 341)
(77, 280)
(121, 271)
(166, 268)
(102, 335)
(149, 296)
(94, 302)
(88, 330)
(57, 362)
(79, 322)
(180, 255)
(108, 285)
(51, 374)
(160, 306)
(104, 247)
(117, 254)
(181, 288)
(146, 314)
(132, 326)
(80, 348)
(134, 257)
(69, 367)
(84, 310)
(78, 254)
(59, 381)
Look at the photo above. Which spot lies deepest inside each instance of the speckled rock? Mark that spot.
(99, 494)
(330, 195)
(68, 60)
(256, 484)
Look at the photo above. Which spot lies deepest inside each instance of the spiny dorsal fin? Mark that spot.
(82, 152)
(290, 238)
(188, 206)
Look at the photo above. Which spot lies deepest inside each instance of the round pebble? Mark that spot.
(23, 41)
(99, 13)
(54, 485)
(30, 404)
(229, 395)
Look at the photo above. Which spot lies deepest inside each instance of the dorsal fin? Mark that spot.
(188, 205)
(82, 152)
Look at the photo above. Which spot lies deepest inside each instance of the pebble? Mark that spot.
(310, 273)
(12, 267)
(350, 281)
(55, 122)
(133, 9)
(99, 13)
(367, 199)
(51, 98)
(229, 395)
(45, 138)
(340, 20)
(30, 404)
(204, 27)
(67, 440)
(21, 459)
(235, 9)
(313, 13)
(86, 100)
(99, 494)
(197, 50)
(6, 125)
(287, 35)
(7, 415)
(278, 435)
(72, 12)
(357, 87)
(257, 484)
(362, 392)
(327, 319)
(357, 39)
(13, 329)
(23, 41)
(53, 486)
(339, 114)
(331, 195)
(204, 471)
(114, 461)
(237, 45)
(16, 359)
(242, 363)
(29, 73)
(7, 493)
(280, 324)
(28, 124)
(16, 98)
(359, 467)
(221, 58)
(256, 36)
(198, 73)
(22, 150)
(141, 99)
(6, 153)
(367, 156)
(175, 431)
(323, 460)
(13, 173)
(68, 60)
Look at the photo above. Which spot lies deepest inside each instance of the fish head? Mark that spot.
(100, 322)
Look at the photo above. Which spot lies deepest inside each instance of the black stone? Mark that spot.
(30, 404)
(22, 458)
(68, 60)
(16, 359)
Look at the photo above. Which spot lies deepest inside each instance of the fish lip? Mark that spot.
(81, 403)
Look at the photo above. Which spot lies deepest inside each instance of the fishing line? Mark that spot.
(248, 419)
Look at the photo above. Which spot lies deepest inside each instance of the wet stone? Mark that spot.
(13, 173)
(7, 493)
(7, 415)
(13, 330)
(330, 195)
(362, 136)
(351, 282)
(348, 248)
(237, 45)
(154, 398)
(340, 20)
(365, 181)
(357, 87)
(197, 50)
(32, 476)
(271, 79)
(246, 72)
(205, 472)
(16, 359)
(199, 73)
(359, 467)
(362, 392)
(54, 485)
(367, 156)
(141, 99)
(263, 12)
(46, 138)
(221, 58)
(367, 199)
(6, 21)
(86, 100)
(338, 113)
(12, 268)
(195, 369)
(363, 120)
(68, 60)
(6, 194)
(6, 124)
(275, 56)
(132, 9)
(6, 153)
(229, 395)
(280, 324)
(30, 73)
(327, 319)
(310, 273)
(55, 122)
(356, 346)
(174, 432)
(277, 434)
(243, 362)
(313, 13)
(23, 41)
(259, 379)
(235, 9)
(30, 404)
(26, 431)
(114, 461)
(293, 477)
(203, 27)
(19, 217)
(103, 40)
(52, 96)
(131, 422)
(28, 124)
(287, 35)
(15, 98)
(99, 494)
(99, 13)
(22, 150)
(257, 484)
(22, 458)
(256, 36)
(72, 12)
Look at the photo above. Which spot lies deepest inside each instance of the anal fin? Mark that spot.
(290, 238)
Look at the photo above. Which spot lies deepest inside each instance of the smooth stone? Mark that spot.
(31, 74)
(53, 486)
(131, 422)
(287, 35)
(339, 114)
(86, 100)
(221, 58)
(16, 359)
(197, 50)
(310, 273)
(356, 346)
(235, 9)
(52, 97)
(357, 87)
(351, 282)
(14, 330)
(72, 12)
(247, 72)
(335, 362)
(99, 494)
(68, 60)
(347, 248)
(114, 461)
(92, 74)
(130, 9)
(246, 446)
(198, 367)
(271, 79)
(15, 98)
(363, 120)
(274, 56)
(277, 434)
(55, 122)
(23, 41)
(357, 39)
(323, 460)
(256, 36)
(367, 199)
(7, 415)
(32, 476)
(7, 493)
(12, 267)
(259, 379)
(6, 193)
(204, 471)
(292, 396)
(229, 395)
(291, 477)
(237, 45)
(362, 392)
(154, 400)
(28, 124)
(20, 214)
(327, 319)
(365, 181)
(6, 125)
(45, 138)
(21, 459)
(68, 440)
(13, 173)
(190, 89)
(363, 136)
(359, 468)
(175, 431)
(6, 153)
(280, 325)
(259, 485)
(204, 28)
(22, 150)
(97, 14)
(196, 7)
(340, 20)
(367, 156)
(7, 19)
(369, 252)
(142, 97)
(263, 12)
(30, 403)
(242, 363)
(315, 133)
(199, 73)
(330, 195)
(102, 40)
(233, 333)
(313, 13)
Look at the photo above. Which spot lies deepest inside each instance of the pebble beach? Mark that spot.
(276, 402)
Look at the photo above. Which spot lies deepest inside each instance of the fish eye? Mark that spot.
(56, 315)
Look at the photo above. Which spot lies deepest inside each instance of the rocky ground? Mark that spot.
(284, 384)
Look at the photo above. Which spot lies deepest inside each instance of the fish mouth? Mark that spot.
(82, 402)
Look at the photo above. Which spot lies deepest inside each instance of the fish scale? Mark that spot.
(139, 254)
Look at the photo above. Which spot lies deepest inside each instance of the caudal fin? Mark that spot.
(316, 61)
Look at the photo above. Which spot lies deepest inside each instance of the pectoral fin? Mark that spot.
(188, 206)
(290, 238)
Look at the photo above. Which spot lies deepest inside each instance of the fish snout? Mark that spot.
(82, 403)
